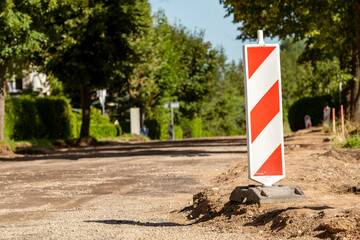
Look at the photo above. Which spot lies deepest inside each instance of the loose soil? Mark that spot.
(176, 190)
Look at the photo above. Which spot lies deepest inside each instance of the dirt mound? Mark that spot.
(322, 222)
(349, 189)
(214, 203)
(211, 207)
(343, 155)
(325, 215)
(5, 150)
(231, 174)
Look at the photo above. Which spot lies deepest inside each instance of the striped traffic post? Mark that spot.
(327, 111)
(264, 126)
(308, 123)
(171, 132)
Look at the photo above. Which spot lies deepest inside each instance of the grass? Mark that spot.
(41, 144)
(7, 143)
(126, 137)
(352, 142)
(36, 143)
(286, 127)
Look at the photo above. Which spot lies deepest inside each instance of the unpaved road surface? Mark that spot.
(144, 190)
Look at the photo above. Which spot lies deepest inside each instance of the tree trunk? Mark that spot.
(2, 101)
(355, 85)
(85, 106)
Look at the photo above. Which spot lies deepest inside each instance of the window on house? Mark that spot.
(19, 85)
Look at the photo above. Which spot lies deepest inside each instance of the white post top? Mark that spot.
(260, 37)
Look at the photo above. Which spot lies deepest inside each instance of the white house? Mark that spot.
(34, 81)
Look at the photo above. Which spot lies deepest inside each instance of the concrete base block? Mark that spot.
(267, 194)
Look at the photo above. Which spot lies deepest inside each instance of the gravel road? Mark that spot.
(114, 191)
(144, 190)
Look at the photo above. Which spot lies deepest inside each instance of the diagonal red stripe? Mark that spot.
(264, 111)
(256, 56)
(273, 165)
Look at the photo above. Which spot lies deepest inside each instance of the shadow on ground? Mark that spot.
(136, 223)
(152, 148)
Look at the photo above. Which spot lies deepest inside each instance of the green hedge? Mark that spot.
(51, 118)
(154, 128)
(196, 128)
(312, 106)
(34, 118)
(192, 128)
(187, 129)
(100, 125)
(104, 130)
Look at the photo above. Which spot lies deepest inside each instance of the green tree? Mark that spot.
(305, 80)
(18, 44)
(224, 112)
(142, 82)
(330, 28)
(189, 70)
(88, 44)
(177, 65)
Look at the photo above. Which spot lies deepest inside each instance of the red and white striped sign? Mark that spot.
(170, 132)
(307, 121)
(327, 111)
(264, 113)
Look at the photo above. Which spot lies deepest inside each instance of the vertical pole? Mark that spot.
(342, 122)
(340, 89)
(172, 122)
(333, 117)
(260, 37)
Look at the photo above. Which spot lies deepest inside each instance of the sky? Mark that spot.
(207, 15)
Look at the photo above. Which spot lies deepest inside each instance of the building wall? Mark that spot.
(37, 82)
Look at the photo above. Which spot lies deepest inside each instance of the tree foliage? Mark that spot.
(305, 79)
(330, 28)
(178, 65)
(88, 43)
(224, 112)
(189, 67)
(19, 42)
(175, 65)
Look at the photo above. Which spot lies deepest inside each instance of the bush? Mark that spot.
(29, 118)
(352, 142)
(192, 128)
(154, 128)
(104, 130)
(33, 118)
(312, 106)
(57, 112)
(196, 127)
(125, 126)
(100, 125)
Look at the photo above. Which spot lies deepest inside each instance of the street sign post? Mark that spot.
(172, 105)
(102, 95)
(327, 111)
(265, 139)
(308, 123)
